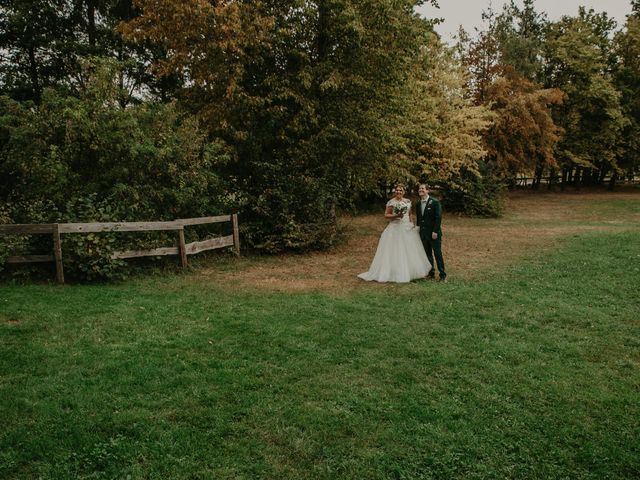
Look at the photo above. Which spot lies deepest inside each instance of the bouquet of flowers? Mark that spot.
(400, 209)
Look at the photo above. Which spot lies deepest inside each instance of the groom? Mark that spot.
(429, 219)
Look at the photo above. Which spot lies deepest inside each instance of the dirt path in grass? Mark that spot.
(472, 246)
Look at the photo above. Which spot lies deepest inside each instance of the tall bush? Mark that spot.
(87, 159)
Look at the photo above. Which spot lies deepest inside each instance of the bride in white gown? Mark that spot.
(400, 256)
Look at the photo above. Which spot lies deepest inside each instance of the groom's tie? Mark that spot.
(423, 203)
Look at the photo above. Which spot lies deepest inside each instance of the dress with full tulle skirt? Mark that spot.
(400, 256)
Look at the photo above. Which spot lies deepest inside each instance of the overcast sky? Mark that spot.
(468, 12)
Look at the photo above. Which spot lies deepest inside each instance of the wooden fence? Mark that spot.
(182, 249)
(525, 181)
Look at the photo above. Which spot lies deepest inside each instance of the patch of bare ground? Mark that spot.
(472, 246)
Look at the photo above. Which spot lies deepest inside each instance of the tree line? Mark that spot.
(291, 110)
(564, 93)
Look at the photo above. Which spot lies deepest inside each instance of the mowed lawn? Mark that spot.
(529, 369)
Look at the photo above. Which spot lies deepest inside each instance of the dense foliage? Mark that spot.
(579, 61)
(564, 93)
(86, 159)
(627, 81)
(313, 96)
(290, 110)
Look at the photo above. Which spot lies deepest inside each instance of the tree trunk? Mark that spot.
(612, 180)
(602, 174)
(322, 40)
(565, 179)
(552, 178)
(164, 89)
(538, 177)
(35, 76)
(91, 22)
(577, 177)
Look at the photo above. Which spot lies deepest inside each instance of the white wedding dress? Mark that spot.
(400, 256)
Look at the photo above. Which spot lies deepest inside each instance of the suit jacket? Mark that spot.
(431, 221)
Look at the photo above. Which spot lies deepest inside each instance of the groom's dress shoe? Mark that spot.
(443, 279)
(431, 276)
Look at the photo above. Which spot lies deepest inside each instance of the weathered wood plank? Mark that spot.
(190, 249)
(25, 228)
(236, 233)
(30, 258)
(119, 227)
(204, 220)
(182, 248)
(57, 252)
(219, 242)
(155, 252)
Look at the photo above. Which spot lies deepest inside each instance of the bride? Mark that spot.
(400, 256)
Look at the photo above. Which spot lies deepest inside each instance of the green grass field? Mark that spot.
(531, 372)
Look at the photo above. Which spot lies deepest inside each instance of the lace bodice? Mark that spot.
(405, 201)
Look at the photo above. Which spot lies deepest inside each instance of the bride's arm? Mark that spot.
(388, 213)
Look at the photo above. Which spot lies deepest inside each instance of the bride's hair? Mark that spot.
(400, 185)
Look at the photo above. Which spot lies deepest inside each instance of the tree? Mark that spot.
(32, 59)
(444, 128)
(445, 132)
(43, 43)
(505, 63)
(520, 36)
(481, 57)
(579, 58)
(304, 92)
(524, 135)
(627, 80)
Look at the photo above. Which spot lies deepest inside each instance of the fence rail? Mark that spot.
(182, 249)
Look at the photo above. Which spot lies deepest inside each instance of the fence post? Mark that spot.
(57, 252)
(236, 233)
(182, 248)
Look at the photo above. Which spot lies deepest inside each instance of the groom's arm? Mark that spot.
(438, 219)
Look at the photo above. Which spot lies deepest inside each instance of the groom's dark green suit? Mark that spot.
(429, 219)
